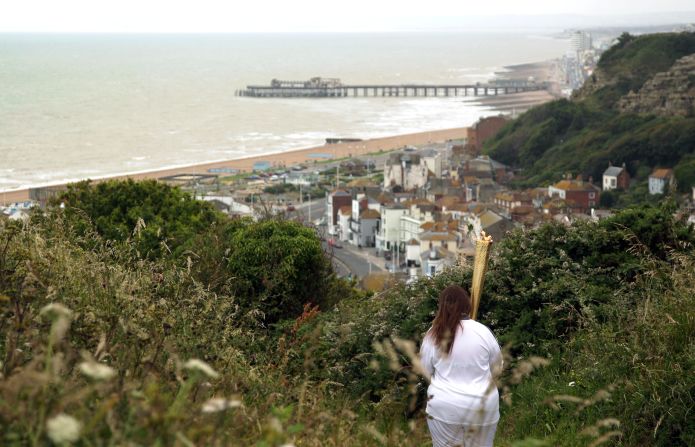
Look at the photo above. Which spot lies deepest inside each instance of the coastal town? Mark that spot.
(405, 213)
(270, 224)
(409, 206)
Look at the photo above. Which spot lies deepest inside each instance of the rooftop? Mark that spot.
(613, 171)
(574, 185)
(370, 214)
(488, 219)
(662, 173)
(437, 236)
(437, 253)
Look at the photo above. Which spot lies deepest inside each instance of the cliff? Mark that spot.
(669, 93)
(637, 109)
(630, 63)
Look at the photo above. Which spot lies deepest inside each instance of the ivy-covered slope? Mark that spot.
(583, 134)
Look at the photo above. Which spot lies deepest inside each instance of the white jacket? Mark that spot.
(461, 388)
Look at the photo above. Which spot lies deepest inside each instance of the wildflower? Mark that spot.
(275, 425)
(63, 428)
(56, 310)
(61, 316)
(217, 404)
(201, 366)
(97, 371)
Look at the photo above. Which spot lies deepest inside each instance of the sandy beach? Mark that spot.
(287, 158)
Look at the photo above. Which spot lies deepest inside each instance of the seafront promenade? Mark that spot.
(286, 158)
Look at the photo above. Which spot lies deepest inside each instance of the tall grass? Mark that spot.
(101, 347)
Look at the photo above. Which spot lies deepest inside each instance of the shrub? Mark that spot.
(161, 219)
(277, 266)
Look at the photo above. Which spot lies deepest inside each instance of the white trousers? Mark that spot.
(454, 435)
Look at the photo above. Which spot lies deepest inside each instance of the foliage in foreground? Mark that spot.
(610, 307)
(272, 268)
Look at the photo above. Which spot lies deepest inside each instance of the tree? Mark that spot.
(625, 38)
(607, 199)
(278, 266)
(685, 173)
(161, 219)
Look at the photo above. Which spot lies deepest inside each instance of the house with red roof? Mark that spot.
(579, 195)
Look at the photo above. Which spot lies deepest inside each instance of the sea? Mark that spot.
(76, 106)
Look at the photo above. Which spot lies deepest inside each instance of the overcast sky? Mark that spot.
(317, 15)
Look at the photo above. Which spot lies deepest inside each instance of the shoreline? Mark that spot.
(285, 158)
(510, 104)
(514, 103)
(517, 103)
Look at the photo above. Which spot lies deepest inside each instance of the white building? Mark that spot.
(611, 177)
(437, 239)
(434, 261)
(659, 179)
(389, 231)
(405, 170)
(580, 41)
(301, 178)
(344, 232)
(433, 160)
(412, 253)
(411, 222)
(367, 228)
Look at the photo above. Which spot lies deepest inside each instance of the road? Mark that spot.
(359, 262)
(349, 259)
(309, 212)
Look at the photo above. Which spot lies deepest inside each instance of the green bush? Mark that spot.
(277, 267)
(609, 303)
(685, 173)
(280, 188)
(161, 219)
(631, 365)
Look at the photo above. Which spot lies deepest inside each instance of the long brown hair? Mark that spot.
(454, 304)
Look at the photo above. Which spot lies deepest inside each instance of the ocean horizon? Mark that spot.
(75, 106)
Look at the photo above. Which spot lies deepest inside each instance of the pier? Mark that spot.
(333, 88)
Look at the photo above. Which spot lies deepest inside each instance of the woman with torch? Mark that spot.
(462, 357)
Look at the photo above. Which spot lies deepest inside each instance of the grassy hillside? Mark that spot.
(631, 62)
(102, 345)
(583, 134)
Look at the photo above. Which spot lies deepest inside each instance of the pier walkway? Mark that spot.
(332, 88)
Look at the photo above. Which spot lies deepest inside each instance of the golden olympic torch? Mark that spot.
(482, 254)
